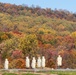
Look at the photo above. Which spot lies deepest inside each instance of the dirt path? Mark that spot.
(19, 73)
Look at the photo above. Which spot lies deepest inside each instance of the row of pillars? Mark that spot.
(39, 63)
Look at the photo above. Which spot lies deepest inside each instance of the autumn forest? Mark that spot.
(34, 31)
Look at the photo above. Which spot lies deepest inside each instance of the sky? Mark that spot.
(69, 5)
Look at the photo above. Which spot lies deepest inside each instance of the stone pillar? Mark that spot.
(27, 62)
(6, 64)
(43, 62)
(39, 62)
(59, 61)
(33, 64)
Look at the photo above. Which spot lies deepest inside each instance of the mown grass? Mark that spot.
(47, 73)
(18, 74)
(9, 74)
(63, 72)
(29, 74)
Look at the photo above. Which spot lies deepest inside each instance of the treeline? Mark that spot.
(23, 9)
(33, 31)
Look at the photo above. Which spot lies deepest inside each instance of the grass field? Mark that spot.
(44, 73)
(19, 74)
(63, 72)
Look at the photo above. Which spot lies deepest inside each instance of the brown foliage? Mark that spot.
(17, 63)
(50, 63)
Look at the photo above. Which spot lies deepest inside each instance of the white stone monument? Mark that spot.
(39, 62)
(6, 64)
(43, 62)
(27, 62)
(33, 64)
(59, 60)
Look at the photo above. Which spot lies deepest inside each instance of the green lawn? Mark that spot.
(9, 74)
(29, 74)
(63, 72)
(18, 74)
(46, 73)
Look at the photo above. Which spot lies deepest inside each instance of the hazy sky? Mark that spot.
(69, 5)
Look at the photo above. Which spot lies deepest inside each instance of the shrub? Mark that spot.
(17, 63)
(1, 66)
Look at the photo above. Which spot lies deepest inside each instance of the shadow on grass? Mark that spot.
(20, 74)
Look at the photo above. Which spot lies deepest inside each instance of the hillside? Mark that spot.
(33, 31)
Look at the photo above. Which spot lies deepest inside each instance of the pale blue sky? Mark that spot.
(69, 5)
